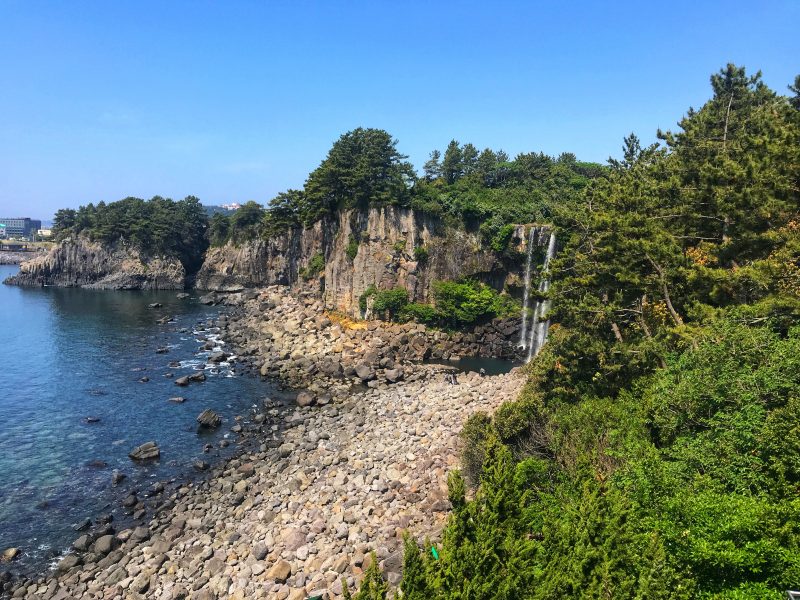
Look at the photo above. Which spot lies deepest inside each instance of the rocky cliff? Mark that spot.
(360, 248)
(78, 262)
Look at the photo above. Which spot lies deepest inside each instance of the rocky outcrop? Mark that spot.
(79, 262)
(360, 248)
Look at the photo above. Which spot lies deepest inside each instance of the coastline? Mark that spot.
(313, 488)
(17, 258)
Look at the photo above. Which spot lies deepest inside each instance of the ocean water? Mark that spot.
(68, 354)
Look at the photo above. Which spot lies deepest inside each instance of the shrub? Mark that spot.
(421, 313)
(502, 238)
(391, 301)
(315, 266)
(421, 255)
(476, 431)
(362, 299)
(469, 302)
(352, 247)
(399, 246)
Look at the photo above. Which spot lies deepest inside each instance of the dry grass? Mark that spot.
(344, 321)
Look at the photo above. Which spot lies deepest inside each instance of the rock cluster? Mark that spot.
(345, 471)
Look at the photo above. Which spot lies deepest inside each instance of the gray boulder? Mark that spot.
(364, 372)
(147, 451)
(305, 399)
(394, 375)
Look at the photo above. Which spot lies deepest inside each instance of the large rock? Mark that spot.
(393, 375)
(209, 419)
(9, 554)
(208, 299)
(147, 451)
(182, 381)
(305, 399)
(280, 571)
(365, 372)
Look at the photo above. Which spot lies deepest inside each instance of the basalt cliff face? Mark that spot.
(337, 259)
(359, 248)
(78, 262)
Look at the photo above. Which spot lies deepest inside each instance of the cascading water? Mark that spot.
(540, 324)
(532, 339)
(523, 336)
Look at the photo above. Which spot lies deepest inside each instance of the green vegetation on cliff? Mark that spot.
(655, 451)
(159, 226)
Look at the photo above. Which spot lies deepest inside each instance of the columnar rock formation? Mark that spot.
(77, 262)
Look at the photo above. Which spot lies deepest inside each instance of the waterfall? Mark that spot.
(523, 336)
(539, 324)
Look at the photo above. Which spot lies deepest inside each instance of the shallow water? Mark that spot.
(491, 366)
(70, 354)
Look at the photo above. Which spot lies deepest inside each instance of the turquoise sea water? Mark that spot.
(68, 354)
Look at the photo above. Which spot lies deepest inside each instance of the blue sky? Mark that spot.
(232, 101)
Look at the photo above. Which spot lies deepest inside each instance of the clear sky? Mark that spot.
(233, 101)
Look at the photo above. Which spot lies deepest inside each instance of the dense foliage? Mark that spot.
(158, 226)
(655, 451)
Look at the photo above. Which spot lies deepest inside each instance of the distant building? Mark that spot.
(20, 227)
(45, 233)
(232, 206)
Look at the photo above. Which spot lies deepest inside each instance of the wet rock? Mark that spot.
(217, 357)
(154, 305)
(162, 350)
(178, 399)
(182, 381)
(117, 477)
(209, 419)
(147, 451)
(92, 419)
(201, 465)
(83, 525)
(70, 561)
(144, 379)
(208, 299)
(9, 554)
(182, 296)
(197, 377)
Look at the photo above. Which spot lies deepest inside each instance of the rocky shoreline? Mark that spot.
(16, 258)
(361, 458)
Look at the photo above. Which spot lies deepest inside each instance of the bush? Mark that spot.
(469, 302)
(362, 299)
(421, 255)
(502, 238)
(421, 313)
(476, 432)
(316, 265)
(391, 301)
(352, 247)
(399, 246)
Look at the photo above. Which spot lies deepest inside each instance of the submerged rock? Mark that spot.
(147, 451)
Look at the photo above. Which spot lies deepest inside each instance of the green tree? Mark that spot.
(452, 167)
(432, 167)
(363, 168)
